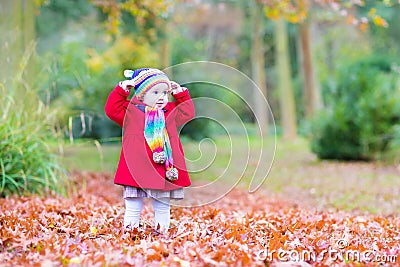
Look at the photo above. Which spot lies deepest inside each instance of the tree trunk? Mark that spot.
(287, 103)
(312, 96)
(11, 41)
(17, 27)
(165, 49)
(258, 66)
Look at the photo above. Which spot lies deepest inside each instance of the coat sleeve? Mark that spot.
(185, 108)
(117, 104)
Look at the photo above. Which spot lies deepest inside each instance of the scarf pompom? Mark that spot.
(159, 157)
(172, 174)
(157, 138)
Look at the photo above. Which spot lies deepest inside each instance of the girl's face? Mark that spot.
(157, 96)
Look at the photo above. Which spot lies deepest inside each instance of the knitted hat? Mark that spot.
(144, 79)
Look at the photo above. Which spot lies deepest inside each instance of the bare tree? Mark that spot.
(258, 64)
(287, 103)
(311, 91)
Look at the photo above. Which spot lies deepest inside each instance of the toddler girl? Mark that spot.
(152, 163)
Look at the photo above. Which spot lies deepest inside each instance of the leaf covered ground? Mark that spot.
(241, 229)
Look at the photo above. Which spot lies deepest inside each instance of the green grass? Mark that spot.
(353, 186)
(296, 174)
(88, 155)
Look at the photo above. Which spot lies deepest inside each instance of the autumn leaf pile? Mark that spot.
(240, 230)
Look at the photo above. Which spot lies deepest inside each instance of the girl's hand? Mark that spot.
(126, 85)
(176, 88)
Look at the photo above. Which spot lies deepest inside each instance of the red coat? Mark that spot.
(136, 167)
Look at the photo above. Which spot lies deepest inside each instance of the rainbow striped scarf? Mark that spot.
(156, 136)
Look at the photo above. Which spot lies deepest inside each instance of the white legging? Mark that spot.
(133, 208)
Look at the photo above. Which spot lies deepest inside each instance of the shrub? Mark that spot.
(26, 162)
(362, 112)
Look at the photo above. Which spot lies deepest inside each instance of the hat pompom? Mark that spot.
(128, 73)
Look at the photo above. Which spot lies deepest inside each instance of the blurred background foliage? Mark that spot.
(89, 42)
(360, 123)
(82, 47)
